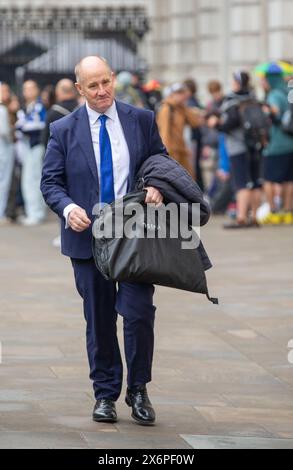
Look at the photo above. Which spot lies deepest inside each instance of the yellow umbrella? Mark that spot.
(286, 67)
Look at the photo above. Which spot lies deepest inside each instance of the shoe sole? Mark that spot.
(143, 423)
(105, 420)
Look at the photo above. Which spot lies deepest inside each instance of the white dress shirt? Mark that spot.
(120, 152)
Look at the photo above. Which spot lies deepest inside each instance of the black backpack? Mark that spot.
(255, 123)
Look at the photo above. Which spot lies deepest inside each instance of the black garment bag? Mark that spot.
(142, 259)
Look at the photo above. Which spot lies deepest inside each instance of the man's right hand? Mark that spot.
(78, 220)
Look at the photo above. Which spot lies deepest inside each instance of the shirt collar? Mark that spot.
(94, 115)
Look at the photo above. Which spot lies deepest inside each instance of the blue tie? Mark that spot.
(106, 165)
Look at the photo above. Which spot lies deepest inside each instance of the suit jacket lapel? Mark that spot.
(129, 126)
(128, 123)
(84, 138)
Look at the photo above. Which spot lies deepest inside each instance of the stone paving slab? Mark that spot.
(41, 440)
(227, 442)
(221, 376)
(132, 441)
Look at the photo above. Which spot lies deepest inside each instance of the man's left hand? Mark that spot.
(153, 196)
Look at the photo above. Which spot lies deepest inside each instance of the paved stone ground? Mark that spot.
(221, 376)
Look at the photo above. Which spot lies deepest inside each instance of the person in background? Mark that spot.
(172, 117)
(6, 151)
(31, 122)
(216, 92)
(214, 145)
(196, 133)
(66, 102)
(125, 90)
(278, 156)
(222, 194)
(153, 92)
(14, 203)
(138, 86)
(244, 161)
(48, 97)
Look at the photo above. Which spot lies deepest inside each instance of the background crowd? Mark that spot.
(238, 148)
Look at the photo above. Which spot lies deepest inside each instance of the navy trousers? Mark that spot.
(102, 302)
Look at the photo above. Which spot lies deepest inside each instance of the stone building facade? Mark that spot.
(201, 38)
(211, 38)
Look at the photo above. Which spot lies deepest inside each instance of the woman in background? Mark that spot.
(6, 152)
(173, 116)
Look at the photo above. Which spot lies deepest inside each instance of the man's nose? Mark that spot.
(101, 90)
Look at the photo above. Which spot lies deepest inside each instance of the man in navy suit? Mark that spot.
(92, 156)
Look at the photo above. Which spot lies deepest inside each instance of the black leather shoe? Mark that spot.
(105, 411)
(142, 410)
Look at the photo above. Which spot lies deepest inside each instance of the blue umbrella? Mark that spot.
(269, 68)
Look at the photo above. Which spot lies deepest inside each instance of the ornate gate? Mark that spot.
(48, 42)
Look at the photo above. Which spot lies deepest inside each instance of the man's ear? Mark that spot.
(78, 87)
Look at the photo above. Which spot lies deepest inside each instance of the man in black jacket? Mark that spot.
(66, 102)
(241, 115)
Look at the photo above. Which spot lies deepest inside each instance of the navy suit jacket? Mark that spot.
(70, 172)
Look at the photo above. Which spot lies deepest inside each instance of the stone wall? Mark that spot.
(204, 38)
(211, 38)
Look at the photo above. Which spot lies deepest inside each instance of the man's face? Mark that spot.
(265, 84)
(217, 95)
(180, 97)
(30, 91)
(96, 84)
(4, 93)
(235, 86)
